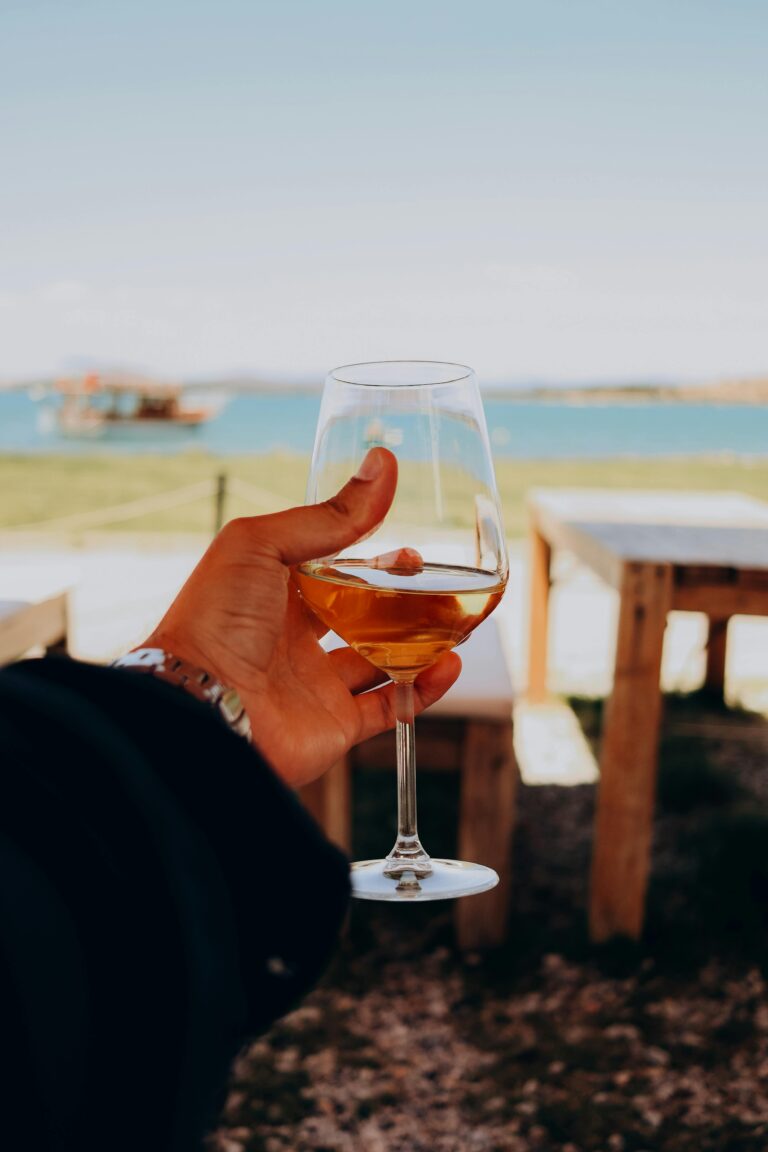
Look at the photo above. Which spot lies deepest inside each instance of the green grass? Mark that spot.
(516, 477)
(42, 488)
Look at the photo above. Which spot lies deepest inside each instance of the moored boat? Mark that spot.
(98, 405)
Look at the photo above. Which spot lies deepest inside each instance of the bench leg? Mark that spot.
(329, 801)
(58, 647)
(714, 680)
(486, 818)
(538, 633)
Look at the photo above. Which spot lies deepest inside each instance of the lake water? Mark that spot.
(272, 421)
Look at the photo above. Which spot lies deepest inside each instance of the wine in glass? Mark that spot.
(423, 580)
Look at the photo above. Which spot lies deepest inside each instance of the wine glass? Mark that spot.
(423, 580)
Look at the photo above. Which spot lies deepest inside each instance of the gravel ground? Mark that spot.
(548, 1043)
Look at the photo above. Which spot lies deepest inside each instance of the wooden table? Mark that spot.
(692, 552)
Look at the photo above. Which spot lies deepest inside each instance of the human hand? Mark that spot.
(241, 617)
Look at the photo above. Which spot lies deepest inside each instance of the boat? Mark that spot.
(96, 405)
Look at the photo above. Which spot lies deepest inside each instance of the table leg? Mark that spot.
(629, 756)
(329, 800)
(714, 680)
(486, 819)
(538, 632)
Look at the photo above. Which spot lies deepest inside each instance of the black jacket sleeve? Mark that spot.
(162, 897)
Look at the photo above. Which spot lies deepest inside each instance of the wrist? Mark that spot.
(177, 670)
(183, 648)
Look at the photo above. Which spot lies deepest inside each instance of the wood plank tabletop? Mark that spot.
(718, 529)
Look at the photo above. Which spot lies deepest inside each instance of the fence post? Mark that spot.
(221, 496)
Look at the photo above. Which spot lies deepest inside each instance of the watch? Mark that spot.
(199, 683)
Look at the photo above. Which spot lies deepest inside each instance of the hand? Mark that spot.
(241, 617)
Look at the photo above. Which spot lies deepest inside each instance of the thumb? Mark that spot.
(315, 530)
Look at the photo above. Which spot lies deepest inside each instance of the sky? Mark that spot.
(558, 191)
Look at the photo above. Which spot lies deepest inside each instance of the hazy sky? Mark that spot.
(555, 189)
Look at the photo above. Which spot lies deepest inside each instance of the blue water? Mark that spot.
(270, 421)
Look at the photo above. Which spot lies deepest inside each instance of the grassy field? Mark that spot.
(38, 490)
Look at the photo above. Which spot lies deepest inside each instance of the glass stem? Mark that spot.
(407, 854)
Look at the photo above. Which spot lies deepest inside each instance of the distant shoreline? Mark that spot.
(750, 391)
(747, 392)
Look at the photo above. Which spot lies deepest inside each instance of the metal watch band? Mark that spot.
(199, 683)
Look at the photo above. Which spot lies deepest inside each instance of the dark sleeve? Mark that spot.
(162, 897)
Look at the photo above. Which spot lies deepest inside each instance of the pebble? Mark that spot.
(406, 1048)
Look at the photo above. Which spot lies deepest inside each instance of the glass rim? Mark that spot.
(458, 373)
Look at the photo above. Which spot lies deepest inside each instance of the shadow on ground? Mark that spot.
(549, 1042)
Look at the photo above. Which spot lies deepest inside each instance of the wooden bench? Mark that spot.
(36, 623)
(469, 731)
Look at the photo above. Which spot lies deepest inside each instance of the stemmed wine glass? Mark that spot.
(423, 580)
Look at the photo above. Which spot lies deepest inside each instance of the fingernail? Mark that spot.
(370, 467)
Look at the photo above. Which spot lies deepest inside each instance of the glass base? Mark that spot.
(448, 879)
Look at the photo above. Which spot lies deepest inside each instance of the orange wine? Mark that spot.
(401, 618)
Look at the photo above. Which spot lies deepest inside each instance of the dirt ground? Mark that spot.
(548, 1043)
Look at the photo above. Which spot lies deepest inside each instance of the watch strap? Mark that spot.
(196, 681)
